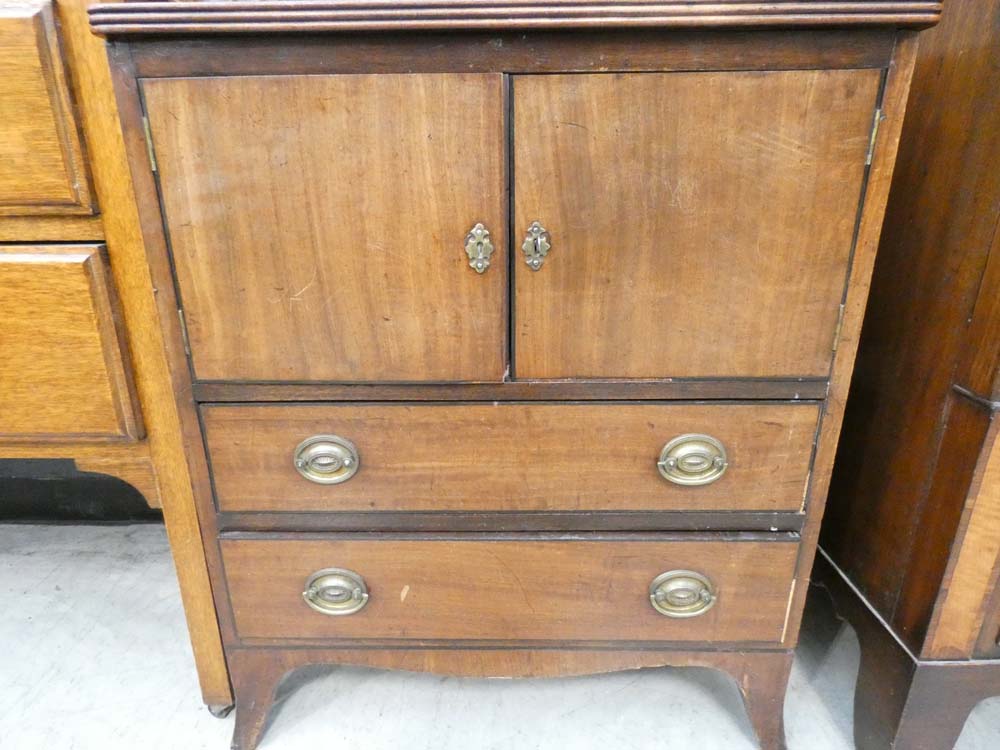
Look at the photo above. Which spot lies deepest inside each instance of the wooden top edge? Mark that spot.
(286, 16)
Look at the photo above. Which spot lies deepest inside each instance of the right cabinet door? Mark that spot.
(699, 224)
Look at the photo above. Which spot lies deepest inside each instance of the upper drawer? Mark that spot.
(511, 456)
(63, 365)
(41, 159)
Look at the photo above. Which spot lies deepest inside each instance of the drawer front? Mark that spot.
(62, 362)
(506, 589)
(42, 168)
(512, 456)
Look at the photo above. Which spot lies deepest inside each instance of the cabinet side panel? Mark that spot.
(971, 573)
(941, 218)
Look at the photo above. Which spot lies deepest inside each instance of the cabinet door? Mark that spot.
(318, 224)
(700, 224)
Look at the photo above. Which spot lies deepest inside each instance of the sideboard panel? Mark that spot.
(712, 214)
(318, 224)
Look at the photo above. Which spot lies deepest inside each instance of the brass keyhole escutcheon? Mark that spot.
(536, 246)
(682, 593)
(479, 248)
(692, 460)
(326, 459)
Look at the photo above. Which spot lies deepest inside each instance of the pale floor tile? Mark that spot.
(96, 657)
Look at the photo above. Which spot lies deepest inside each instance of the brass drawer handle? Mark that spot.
(693, 459)
(336, 591)
(682, 593)
(479, 248)
(327, 459)
(536, 246)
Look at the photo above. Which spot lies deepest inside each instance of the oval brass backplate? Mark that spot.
(693, 459)
(326, 459)
(682, 593)
(335, 591)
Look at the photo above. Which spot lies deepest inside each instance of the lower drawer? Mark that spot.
(64, 373)
(726, 588)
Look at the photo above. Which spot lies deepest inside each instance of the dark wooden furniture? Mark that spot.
(913, 523)
(511, 339)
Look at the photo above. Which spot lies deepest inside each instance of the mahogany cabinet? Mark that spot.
(511, 339)
(912, 535)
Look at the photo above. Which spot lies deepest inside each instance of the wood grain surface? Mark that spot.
(541, 51)
(127, 461)
(63, 365)
(37, 228)
(695, 230)
(243, 154)
(318, 224)
(893, 105)
(41, 154)
(375, 15)
(928, 326)
(902, 701)
(510, 457)
(971, 574)
(761, 676)
(694, 389)
(130, 267)
(978, 368)
(466, 588)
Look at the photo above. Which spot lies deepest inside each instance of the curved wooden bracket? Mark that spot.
(761, 676)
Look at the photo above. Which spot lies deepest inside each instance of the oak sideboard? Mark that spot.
(84, 383)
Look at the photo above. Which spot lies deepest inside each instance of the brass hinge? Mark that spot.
(184, 332)
(149, 142)
(836, 331)
(871, 143)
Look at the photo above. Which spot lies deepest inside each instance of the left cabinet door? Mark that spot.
(63, 363)
(318, 224)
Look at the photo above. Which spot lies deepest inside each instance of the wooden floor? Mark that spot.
(96, 657)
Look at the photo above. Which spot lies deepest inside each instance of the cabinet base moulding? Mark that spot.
(903, 702)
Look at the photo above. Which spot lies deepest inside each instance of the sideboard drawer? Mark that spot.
(511, 456)
(43, 169)
(533, 588)
(63, 363)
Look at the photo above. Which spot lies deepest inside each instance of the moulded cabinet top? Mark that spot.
(256, 16)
